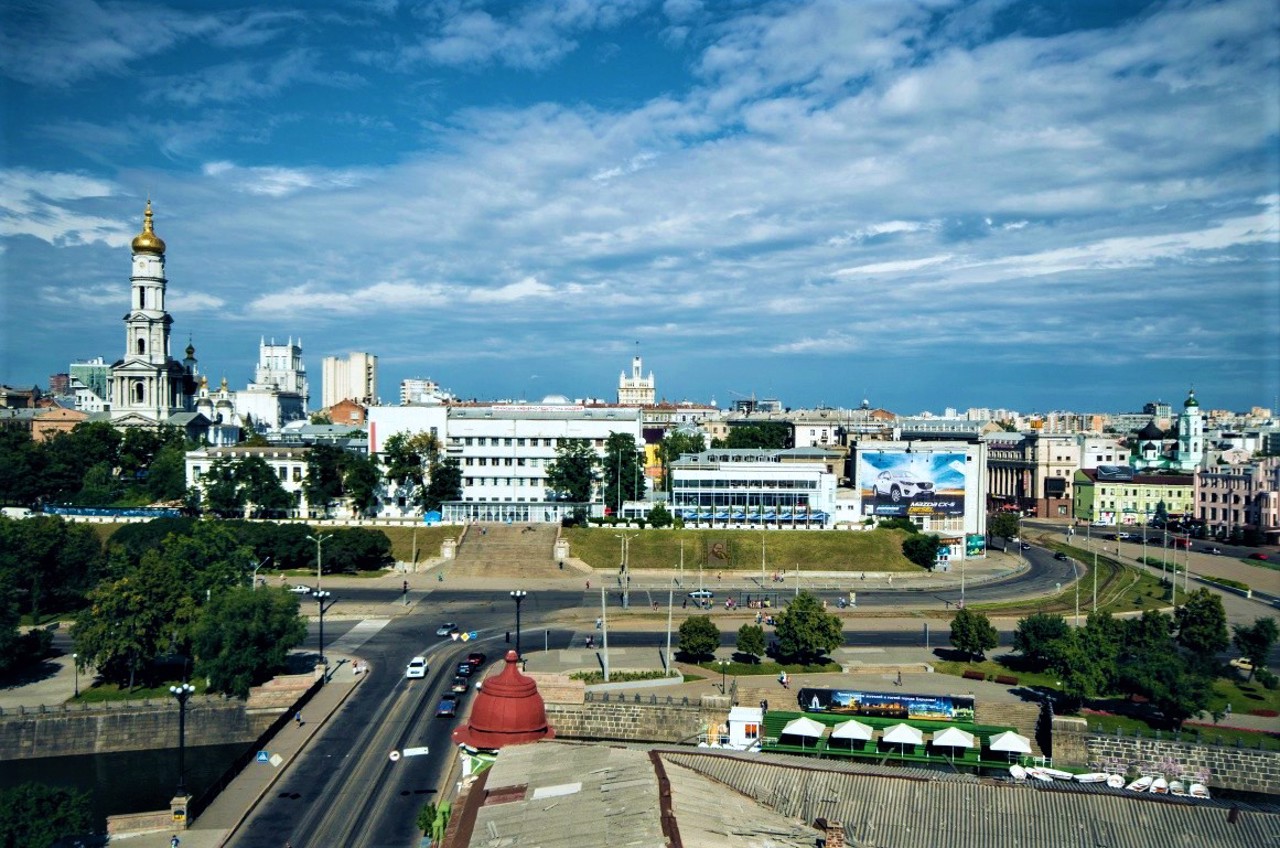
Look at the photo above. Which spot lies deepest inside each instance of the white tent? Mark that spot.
(852, 729)
(953, 737)
(1011, 742)
(903, 734)
(803, 726)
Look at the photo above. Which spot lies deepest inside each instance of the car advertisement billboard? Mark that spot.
(897, 484)
(887, 704)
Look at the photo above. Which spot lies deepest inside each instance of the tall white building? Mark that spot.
(148, 385)
(636, 390)
(353, 377)
(422, 390)
(278, 393)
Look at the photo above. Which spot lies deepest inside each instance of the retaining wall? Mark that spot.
(652, 718)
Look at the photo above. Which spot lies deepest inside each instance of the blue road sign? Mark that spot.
(264, 757)
(475, 634)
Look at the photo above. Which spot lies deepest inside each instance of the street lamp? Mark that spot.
(75, 664)
(518, 595)
(182, 692)
(319, 540)
(255, 572)
(322, 596)
(723, 665)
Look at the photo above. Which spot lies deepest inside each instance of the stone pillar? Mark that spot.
(561, 550)
(448, 548)
(178, 808)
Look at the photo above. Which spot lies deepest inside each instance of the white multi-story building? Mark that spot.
(636, 390)
(353, 377)
(421, 390)
(278, 393)
(288, 464)
(1240, 499)
(90, 384)
(791, 488)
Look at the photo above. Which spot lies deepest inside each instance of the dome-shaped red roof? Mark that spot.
(507, 711)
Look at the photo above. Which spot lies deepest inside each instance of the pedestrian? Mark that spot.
(588, 584)
(898, 682)
(298, 717)
(684, 604)
(175, 841)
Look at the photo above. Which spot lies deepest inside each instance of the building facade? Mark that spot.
(1241, 501)
(1115, 496)
(288, 464)
(791, 488)
(353, 377)
(279, 392)
(636, 390)
(1032, 472)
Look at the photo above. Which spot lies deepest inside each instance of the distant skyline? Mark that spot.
(1027, 205)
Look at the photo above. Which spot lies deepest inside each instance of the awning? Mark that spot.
(903, 734)
(1011, 742)
(852, 729)
(803, 726)
(953, 737)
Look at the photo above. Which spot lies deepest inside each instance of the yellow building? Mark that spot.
(1114, 495)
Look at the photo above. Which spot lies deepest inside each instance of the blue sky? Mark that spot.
(1036, 205)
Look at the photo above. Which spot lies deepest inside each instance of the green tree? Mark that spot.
(52, 562)
(445, 484)
(769, 435)
(1036, 635)
(1174, 687)
(623, 471)
(21, 468)
(805, 631)
(34, 815)
(1003, 524)
(904, 524)
(1202, 625)
(972, 633)
(922, 549)
(674, 445)
(223, 494)
(1161, 517)
(243, 636)
(1084, 659)
(99, 487)
(660, 517)
(751, 641)
(1255, 641)
(357, 549)
(699, 637)
(167, 474)
(261, 489)
(11, 654)
(68, 456)
(323, 484)
(360, 481)
(573, 472)
(409, 460)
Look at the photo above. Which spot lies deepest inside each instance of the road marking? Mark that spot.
(416, 752)
(358, 635)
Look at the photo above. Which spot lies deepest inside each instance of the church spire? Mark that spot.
(147, 241)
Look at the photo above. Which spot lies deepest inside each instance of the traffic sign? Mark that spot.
(264, 757)
(416, 752)
(395, 755)
(475, 634)
(466, 637)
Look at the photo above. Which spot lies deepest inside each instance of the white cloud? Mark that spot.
(49, 206)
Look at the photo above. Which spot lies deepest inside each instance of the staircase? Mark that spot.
(1024, 717)
(507, 551)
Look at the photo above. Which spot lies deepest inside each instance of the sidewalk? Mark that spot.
(235, 803)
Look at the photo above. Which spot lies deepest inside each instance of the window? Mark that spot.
(283, 473)
(142, 346)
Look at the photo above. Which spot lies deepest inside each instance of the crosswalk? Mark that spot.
(365, 630)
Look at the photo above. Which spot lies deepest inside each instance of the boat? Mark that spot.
(1142, 784)
(1057, 774)
(1177, 787)
(1160, 786)
(1092, 777)
(1198, 790)
(1115, 781)
(1017, 772)
(1038, 773)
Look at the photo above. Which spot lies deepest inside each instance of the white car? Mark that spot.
(447, 629)
(899, 485)
(417, 667)
(300, 589)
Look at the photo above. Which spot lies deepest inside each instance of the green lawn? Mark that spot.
(104, 692)
(1129, 726)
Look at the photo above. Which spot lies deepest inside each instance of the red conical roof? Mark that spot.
(507, 711)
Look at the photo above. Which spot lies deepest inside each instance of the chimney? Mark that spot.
(834, 831)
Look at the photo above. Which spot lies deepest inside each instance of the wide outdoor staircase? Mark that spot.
(507, 551)
(1023, 717)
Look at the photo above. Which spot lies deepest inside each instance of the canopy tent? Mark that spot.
(903, 734)
(1011, 742)
(852, 729)
(804, 727)
(953, 737)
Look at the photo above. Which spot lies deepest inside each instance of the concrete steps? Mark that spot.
(508, 551)
(1023, 717)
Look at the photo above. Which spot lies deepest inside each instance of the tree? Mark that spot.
(699, 637)
(1255, 641)
(260, 488)
(972, 633)
(52, 562)
(660, 517)
(409, 460)
(357, 549)
(360, 481)
(674, 445)
(805, 631)
(323, 484)
(1202, 625)
(1036, 635)
(623, 471)
(21, 467)
(1084, 659)
(771, 435)
(572, 473)
(167, 474)
(1003, 524)
(751, 641)
(1174, 687)
(445, 484)
(922, 549)
(1161, 517)
(242, 636)
(34, 815)
(906, 525)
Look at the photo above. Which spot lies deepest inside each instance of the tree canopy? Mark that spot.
(243, 636)
(573, 472)
(972, 633)
(699, 637)
(922, 549)
(1003, 524)
(623, 471)
(35, 815)
(1036, 635)
(1202, 625)
(805, 631)
(751, 641)
(674, 445)
(1255, 641)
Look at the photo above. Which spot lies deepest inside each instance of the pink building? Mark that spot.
(1241, 499)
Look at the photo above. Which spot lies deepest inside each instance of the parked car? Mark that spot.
(1242, 663)
(701, 595)
(300, 589)
(1026, 546)
(1259, 556)
(448, 707)
(1215, 550)
(898, 484)
(447, 629)
(417, 667)
(475, 659)
(460, 684)
(1061, 555)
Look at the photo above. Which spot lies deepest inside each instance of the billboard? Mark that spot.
(887, 704)
(901, 483)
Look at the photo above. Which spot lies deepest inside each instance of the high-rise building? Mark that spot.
(636, 390)
(421, 390)
(278, 393)
(353, 377)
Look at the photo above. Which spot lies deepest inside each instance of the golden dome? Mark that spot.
(147, 241)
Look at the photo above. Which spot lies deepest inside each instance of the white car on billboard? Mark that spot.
(898, 484)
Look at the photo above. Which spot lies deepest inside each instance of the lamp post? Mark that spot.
(518, 595)
(671, 602)
(724, 664)
(75, 664)
(321, 597)
(182, 692)
(319, 540)
(255, 572)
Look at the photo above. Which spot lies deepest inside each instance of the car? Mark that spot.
(1060, 555)
(417, 668)
(898, 485)
(475, 659)
(300, 589)
(448, 707)
(1026, 546)
(1242, 663)
(460, 684)
(465, 669)
(701, 595)
(1123, 536)
(1215, 551)
(1258, 556)
(447, 629)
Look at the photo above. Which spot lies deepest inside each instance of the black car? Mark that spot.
(1026, 546)
(465, 669)
(1060, 555)
(475, 659)
(460, 684)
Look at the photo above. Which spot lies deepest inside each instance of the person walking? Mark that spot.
(175, 841)
(298, 717)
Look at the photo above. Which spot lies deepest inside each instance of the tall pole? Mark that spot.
(962, 581)
(682, 562)
(761, 557)
(75, 664)
(604, 632)
(321, 597)
(1095, 578)
(319, 540)
(1075, 569)
(182, 692)
(518, 595)
(671, 602)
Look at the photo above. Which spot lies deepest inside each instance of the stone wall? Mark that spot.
(1227, 767)
(651, 719)
(135, 727)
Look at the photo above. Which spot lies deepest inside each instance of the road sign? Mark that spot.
(467, 637)
(475, 634)
(416, 752)
(395, 755)
(264, 757)
(276, 760)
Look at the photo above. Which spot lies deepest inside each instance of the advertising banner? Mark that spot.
(900, 483)
(975, 545)
(887, 704)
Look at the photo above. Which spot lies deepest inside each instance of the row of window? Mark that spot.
(512, 441)
(532, 462)
(1212, 497)
(682, 483)
(519, 482)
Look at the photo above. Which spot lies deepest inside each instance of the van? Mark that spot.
(701, 595)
